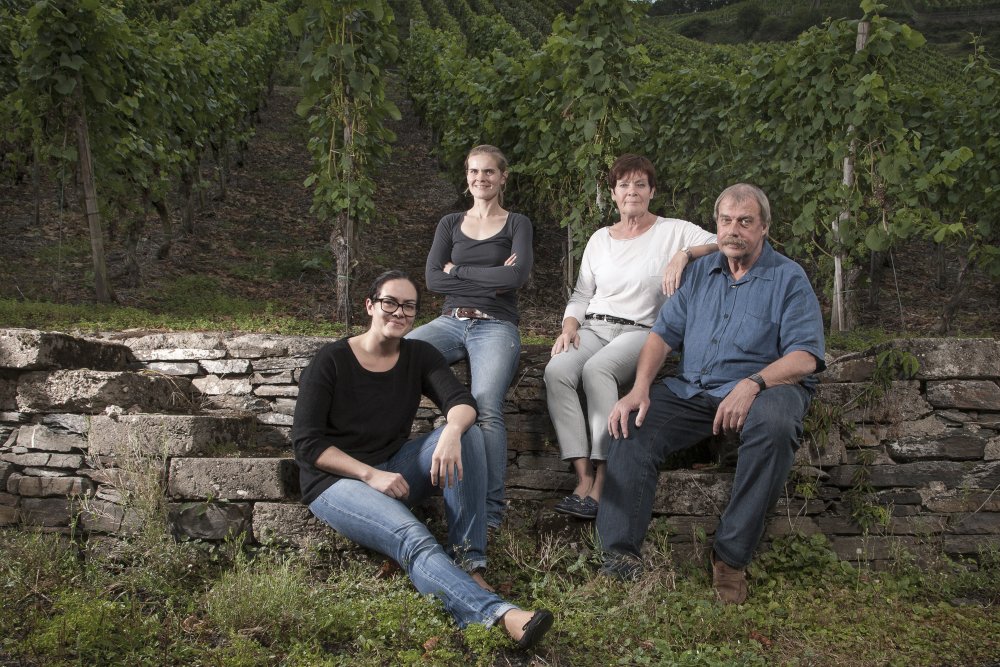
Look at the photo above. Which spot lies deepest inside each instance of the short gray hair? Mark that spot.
(740, 192)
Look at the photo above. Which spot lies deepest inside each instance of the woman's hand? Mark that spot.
(673, 273)
(391, 484)
(511, 261)
(448, 267)
(569, 336)
(563, 341)
(446, 463)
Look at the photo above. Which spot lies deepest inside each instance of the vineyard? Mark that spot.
(97, 99)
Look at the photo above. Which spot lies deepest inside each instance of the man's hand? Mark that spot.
(391, 484)
(446, 463)
(673, 273)
(618, 419)
(735, 407)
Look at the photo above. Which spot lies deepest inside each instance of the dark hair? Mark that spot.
(739, 193)
(629, 164)
(393, 274)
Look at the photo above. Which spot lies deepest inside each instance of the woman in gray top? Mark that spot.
(478, 260)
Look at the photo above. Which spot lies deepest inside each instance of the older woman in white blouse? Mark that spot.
(628, 270)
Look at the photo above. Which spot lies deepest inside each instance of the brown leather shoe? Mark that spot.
(730, 583)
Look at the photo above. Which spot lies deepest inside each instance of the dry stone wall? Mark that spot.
(92, 426)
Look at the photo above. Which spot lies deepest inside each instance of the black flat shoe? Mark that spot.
(568, 505)
(535, 629)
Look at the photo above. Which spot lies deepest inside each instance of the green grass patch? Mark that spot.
(167, 603)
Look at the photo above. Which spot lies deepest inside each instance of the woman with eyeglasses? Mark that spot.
(628, 270)
(478, 260)
(361, 471)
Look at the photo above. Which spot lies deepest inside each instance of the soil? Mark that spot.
(261, 243)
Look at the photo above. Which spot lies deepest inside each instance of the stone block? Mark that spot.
(173, 367)
(29, 349)
(692, 492)
(9, 515)
(964, 395)
(210, 521)
(275, 377)
(169, 435)
(233, 479)
(192, 340)
(8, 393)
(226, 366)
(293, 524)
(90, 392)
(286, 390)
(963, 500)
(923, 524)
(796, 525)
(229, 404)
(101, 516)
(285, 406)
(6, 470)
(213, 385)
(279, 364)
(875, 548)
(45, 487)
(832, 452)
(34, 459)
(67, 422)
(46, 511)
(688, 528)
(550, 462)
(257, 346)
(992, 450)
(48, 472)
(275, 419)
(530, 441)
(550, 482)
(903, 474)
(179, 354)
(942, 358)
(957, 446)
(970, 545)
(977, 523)
(902, 402)
(857, 367)
(38, 437)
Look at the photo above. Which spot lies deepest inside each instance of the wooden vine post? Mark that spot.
(838, 313)
(102, 286)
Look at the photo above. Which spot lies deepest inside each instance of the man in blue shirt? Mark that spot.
(751, 333)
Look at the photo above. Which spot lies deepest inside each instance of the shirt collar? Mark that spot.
(762, 268)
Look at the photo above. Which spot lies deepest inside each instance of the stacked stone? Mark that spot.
(50, 385)
(212, 414)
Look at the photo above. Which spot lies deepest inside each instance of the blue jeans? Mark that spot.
(768, 442)
(493, 348)
(386, 525)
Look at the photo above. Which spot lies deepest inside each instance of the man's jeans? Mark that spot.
(386, 525)
(493, 348)
(768, 442)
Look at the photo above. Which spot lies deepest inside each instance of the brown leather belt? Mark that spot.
(471, 314)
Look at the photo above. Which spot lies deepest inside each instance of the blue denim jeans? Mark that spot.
(767, 447)
(386, 525)
(493, 348)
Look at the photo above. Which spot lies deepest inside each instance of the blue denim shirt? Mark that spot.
(729, 329)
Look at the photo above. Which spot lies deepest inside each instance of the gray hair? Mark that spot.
(739, 193)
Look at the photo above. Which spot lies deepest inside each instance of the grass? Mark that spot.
(167, 603)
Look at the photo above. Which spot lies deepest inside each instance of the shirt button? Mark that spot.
(725, 317)
(704, 370)
(714, 341)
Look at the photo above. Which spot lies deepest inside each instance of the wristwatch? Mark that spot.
(687, 251)
(759, 380)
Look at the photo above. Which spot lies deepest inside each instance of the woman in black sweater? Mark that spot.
(360, 471)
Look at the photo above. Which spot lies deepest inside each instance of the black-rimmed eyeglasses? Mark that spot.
(390, 306)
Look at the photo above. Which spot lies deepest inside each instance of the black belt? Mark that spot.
(614, 320)
(470, 314)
